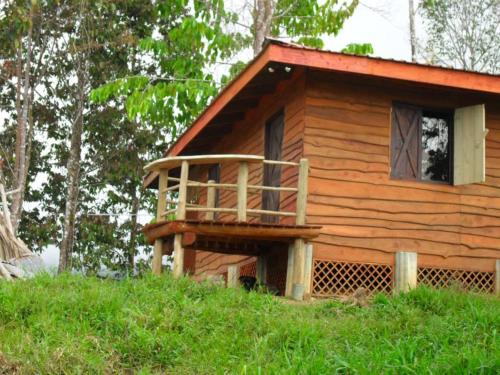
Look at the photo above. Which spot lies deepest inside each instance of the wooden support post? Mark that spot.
(302, 192)
(261, 269)
(299, 247)
(308, 271)
(178, 268)
(298, 269)
(242, 191)
(211, 194)
(160, 209)
(233, 275)
(497, 276)
(289, 271)
(405, 275)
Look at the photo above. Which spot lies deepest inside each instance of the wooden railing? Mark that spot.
(176, 208)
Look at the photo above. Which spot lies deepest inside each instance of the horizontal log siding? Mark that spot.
(366, 216)
(247, 137)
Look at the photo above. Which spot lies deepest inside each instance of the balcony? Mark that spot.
(189, 214)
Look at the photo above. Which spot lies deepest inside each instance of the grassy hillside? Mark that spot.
(72, 324)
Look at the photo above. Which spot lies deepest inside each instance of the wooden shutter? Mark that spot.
(469, 145)
(406, 142)
(272, 173)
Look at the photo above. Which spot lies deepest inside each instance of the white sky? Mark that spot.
(383, 23)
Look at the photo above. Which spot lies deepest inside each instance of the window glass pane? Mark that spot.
(435, 150)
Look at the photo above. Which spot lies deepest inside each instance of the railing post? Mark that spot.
(242, 191)
(178, 268)
(160, 209)
(302, 192)
(211, 194)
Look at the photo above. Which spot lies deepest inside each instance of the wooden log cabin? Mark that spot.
(322, 172)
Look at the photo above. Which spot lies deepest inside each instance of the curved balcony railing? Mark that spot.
(173, 202)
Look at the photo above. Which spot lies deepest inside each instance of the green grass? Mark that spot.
(72, 324)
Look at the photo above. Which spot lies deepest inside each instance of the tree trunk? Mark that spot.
(23, 108)
(413, 36)
(73, 168)
(263, 16)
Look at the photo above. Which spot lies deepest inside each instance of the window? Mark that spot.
(439, 146)
(421, 144)
(435, 152)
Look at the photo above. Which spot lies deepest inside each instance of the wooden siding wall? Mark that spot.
(247, 137)
(366, 216)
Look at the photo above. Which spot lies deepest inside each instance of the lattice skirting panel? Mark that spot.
(249, 269)
(334, 278)
(469, 280)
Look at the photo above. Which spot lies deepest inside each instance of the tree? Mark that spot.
(304, 20)
(463, 33)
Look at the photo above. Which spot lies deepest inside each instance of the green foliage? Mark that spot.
(307, 21)
(72, 324)
(358, 49)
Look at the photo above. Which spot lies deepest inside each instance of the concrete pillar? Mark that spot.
(233, 275)
(497, 277)
(405, 275)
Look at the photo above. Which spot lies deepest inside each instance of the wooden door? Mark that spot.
(273, 142)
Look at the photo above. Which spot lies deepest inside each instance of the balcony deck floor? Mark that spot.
(227, 237)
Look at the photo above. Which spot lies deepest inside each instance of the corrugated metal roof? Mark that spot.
(302, 47)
